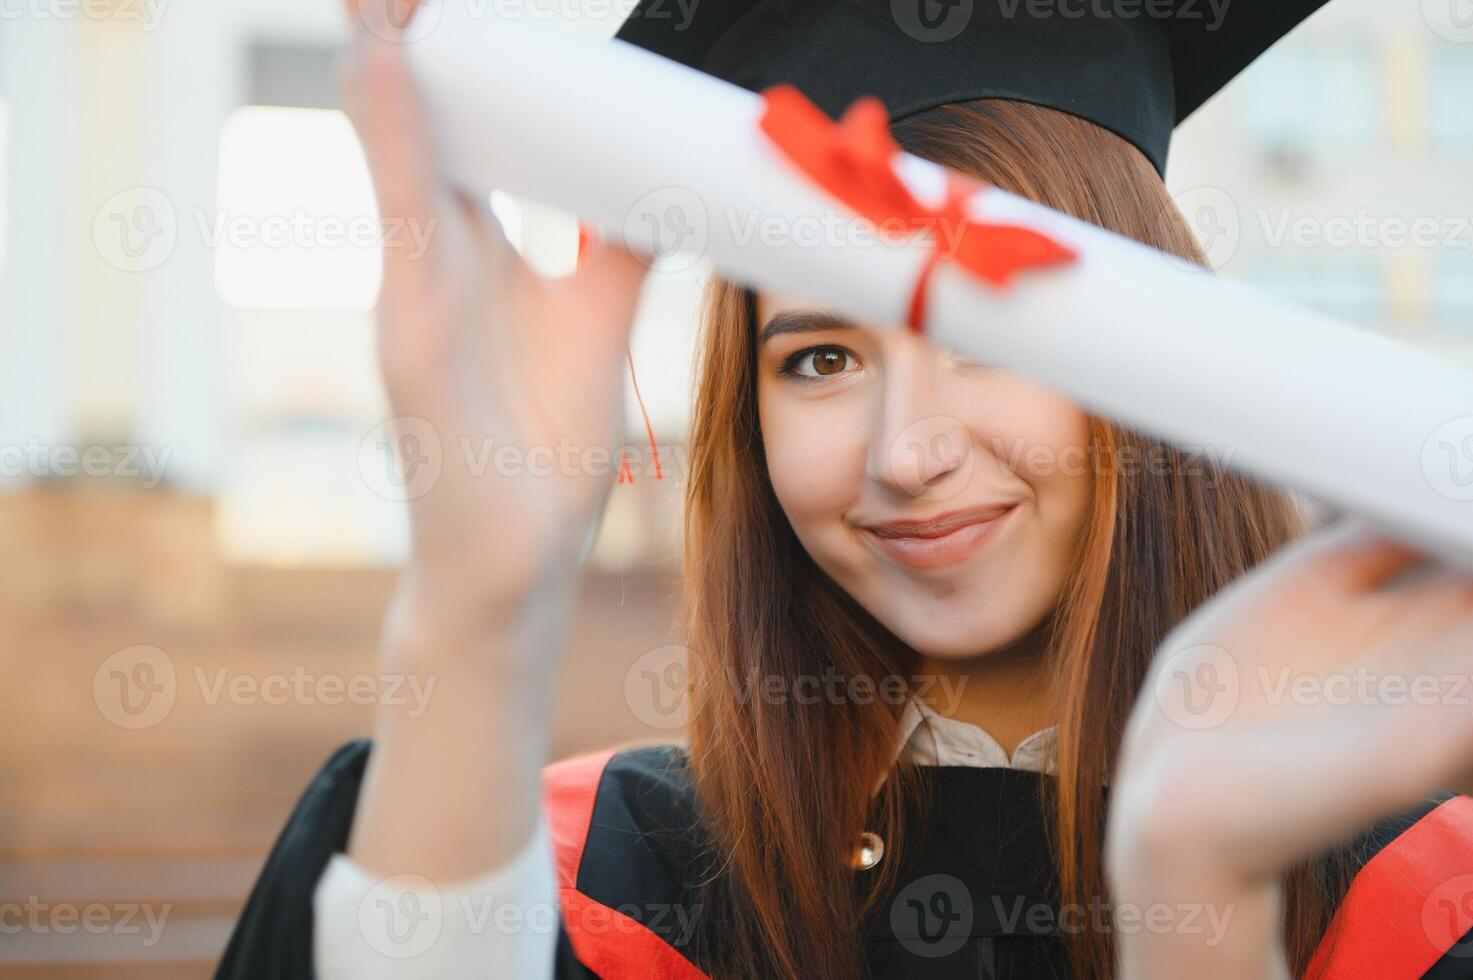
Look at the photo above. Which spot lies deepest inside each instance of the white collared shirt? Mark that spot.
(351, 944)
(935, 740)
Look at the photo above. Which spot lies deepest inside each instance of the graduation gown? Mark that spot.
(974, 899)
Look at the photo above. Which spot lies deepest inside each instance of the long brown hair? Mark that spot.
(786, 787)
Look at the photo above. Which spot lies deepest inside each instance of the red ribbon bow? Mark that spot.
(853, 160)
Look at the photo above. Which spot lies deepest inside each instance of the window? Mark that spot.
(1449, 114)
(1314, 94)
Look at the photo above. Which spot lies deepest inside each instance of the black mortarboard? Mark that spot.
(1135, 67)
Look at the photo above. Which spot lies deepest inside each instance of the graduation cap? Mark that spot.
(1134, 67)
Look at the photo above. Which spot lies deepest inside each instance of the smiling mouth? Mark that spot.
(937, 544)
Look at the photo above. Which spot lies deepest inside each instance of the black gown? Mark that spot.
(973, 900)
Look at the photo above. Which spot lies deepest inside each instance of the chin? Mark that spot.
(957, 629)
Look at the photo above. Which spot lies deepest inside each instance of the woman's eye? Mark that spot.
(819, 362)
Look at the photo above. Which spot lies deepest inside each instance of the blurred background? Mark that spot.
(199, 531)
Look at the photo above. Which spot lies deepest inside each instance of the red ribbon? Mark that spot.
(854, 159)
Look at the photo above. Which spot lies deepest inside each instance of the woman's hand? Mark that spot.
(1320, 692)
(479, 357)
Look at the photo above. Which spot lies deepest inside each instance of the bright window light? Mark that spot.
(4, 183)
(295, 225)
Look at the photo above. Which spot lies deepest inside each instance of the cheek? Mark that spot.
(1048, 447)
(815, 455)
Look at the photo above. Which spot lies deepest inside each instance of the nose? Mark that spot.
(916, 447)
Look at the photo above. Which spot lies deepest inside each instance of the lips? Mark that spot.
(939, 541)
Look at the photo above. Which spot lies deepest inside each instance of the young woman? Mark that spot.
(871, 521)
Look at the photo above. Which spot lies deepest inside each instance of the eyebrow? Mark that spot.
(801, 321)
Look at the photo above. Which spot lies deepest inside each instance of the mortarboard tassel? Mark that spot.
(587, 240)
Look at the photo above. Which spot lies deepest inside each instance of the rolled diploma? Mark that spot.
(662, 156)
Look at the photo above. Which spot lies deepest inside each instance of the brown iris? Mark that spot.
(829, 360)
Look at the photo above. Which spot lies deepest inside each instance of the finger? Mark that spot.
(383, 102)
(1353, 557)
(610, 278)
(395, 12)
(1426, 743)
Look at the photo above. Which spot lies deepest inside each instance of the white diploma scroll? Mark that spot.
(665, 158)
